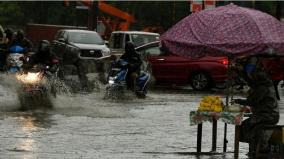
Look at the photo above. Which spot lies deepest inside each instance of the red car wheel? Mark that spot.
(200, 81)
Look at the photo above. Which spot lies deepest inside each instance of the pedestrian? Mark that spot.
(134, 63)
(263, 105)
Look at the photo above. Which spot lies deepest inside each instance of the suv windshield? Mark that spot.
(85, 38)
(140, 39)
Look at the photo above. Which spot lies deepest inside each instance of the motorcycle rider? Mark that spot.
(43, 56)
(22, 41)
(134, 63)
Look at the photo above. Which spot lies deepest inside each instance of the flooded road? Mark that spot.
(88, 126)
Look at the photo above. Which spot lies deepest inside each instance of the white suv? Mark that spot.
(119, 38)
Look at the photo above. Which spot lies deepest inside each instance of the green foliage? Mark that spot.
(266, 6)
(10, 13)
(47, 12)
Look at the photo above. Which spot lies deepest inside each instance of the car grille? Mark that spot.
(91, 53)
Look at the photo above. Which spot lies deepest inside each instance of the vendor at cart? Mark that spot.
(262, 102)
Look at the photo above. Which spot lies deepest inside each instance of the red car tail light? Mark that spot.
(224, 61)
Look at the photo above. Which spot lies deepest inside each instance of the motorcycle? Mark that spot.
(37, 86)
(117, 80)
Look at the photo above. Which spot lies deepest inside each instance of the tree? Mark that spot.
(10, 13)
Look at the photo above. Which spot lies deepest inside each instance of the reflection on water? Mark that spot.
(26, 144)
(29, 123)
(33, 121)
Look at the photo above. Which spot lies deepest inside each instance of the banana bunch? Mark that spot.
(211, 103)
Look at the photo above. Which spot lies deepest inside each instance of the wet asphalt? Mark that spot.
(87, 126)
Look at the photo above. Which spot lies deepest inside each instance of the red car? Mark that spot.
(169, 69)
(275, 67)
(202, 73)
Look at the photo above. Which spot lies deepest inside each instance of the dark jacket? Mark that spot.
(41, 57)
(133, 58)
(262, 99)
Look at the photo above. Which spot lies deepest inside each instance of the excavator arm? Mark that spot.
(122, 22)
(104, 7)
(115, 12)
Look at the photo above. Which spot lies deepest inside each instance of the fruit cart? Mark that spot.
(212, 109)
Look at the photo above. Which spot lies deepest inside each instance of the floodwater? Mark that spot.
(85, 125)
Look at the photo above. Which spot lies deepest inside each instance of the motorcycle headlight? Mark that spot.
(30, 77)
(111, 80)
(106, 52)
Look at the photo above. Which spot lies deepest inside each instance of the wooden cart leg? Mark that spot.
(225, 141)
(199, 137)
(237, 139)
(214, 134)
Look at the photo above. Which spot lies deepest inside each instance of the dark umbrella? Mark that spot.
(224, 31)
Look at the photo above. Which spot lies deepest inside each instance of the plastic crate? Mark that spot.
(276, 143)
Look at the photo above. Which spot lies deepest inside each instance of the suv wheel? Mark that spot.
(200, 81)
(61, 73)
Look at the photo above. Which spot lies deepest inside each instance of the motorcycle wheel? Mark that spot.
(141, 94)
(114, 92)
(53, 90)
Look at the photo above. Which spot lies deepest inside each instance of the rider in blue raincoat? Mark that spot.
(134, 63)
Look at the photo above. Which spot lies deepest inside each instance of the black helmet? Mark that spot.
(20, 34)
(44, 46)
(9, 33)
(129, 47)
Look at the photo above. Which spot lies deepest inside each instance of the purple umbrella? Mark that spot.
(224, 31)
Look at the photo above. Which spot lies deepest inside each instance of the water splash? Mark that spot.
(8, 92)
(58, 86)
(10, 81)
(93, 83)
(12, 96)
(118, 93)
(44, 98)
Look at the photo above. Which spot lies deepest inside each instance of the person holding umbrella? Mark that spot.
(262, 103)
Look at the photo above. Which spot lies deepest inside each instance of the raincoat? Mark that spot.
(265, 111)
(134, 64)
(132, 57)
